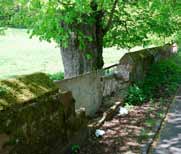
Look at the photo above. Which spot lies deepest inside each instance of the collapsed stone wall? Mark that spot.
(37, 116)
(44, 124)
(90, 89)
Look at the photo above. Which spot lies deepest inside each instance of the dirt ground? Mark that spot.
(126, 135)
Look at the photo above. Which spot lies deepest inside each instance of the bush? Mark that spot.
(135, 96)
(56, 76)
(162, 79)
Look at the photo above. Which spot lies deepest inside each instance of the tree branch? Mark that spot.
(111, 17)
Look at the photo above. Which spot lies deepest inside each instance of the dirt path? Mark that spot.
(125, 135)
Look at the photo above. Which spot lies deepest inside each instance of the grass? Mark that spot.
(21, 55)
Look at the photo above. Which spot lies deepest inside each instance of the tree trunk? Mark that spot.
(78, 61)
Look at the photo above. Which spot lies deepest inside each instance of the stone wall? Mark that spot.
(86, 89)
(44, 123)
(40, 117)
(23, 88)
(134, 65)
(90, 89)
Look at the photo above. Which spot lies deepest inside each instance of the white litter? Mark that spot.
(122, 111)
(99, 132)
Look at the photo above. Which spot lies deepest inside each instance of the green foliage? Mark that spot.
(163, 78)
(75, 149)
(57, 76)
(88, 56)
(135, 96)
(10, 14)
(177, 37)
(133, 22)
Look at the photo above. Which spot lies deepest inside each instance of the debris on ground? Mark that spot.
(122, 111)
(99, 132)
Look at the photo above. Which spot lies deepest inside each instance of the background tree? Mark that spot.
(83, 27)
(4, 14)
(8, 11)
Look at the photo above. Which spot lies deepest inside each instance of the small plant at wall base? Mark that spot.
(56, 76)
(75, 149)
(135, 96)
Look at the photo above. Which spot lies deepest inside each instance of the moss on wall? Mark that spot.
(36, 116)
(23, 88)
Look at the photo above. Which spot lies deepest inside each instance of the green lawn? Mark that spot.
(21, 55)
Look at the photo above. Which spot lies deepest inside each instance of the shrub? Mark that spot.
(162, 79)
(56, 76)
(135, 96)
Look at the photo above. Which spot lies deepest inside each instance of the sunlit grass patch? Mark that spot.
(21, 55)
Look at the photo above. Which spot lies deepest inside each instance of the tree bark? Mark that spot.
(75, 60)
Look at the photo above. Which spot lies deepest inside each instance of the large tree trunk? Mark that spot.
(77, 61)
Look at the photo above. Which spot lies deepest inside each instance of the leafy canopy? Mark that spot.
(126, 23)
